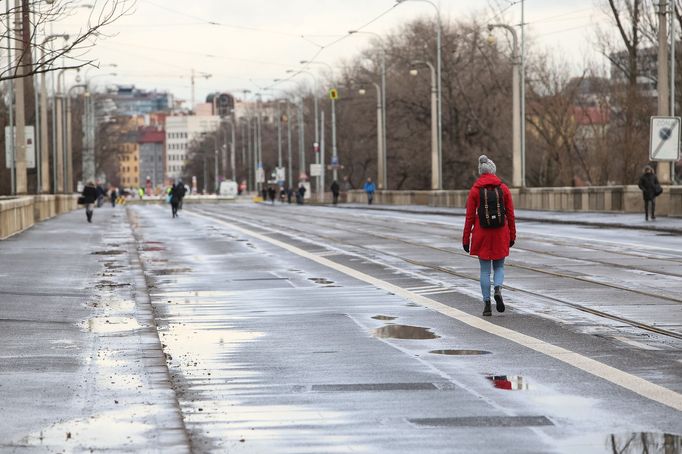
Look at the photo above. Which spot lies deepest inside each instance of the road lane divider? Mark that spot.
(611, 374)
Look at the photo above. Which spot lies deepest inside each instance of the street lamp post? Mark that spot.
(380, 146)
(438, 89)
(436, 164)
(517, 124)
(382, 160)
(316, 107)
(333, 119)
(41, 106)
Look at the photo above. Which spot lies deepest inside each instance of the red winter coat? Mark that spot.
(488, 244)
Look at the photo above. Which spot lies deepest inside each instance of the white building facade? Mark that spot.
(180, 132)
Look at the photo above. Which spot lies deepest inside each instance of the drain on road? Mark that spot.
(405, 332)
(484, 421)
(508, 382)
(459, 352)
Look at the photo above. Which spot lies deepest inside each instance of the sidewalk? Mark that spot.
(594, 219)
(81, 365)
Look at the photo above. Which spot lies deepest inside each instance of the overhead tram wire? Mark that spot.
(219, 24)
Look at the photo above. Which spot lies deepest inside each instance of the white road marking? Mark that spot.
(436, 292)
(616, 376)
(633, 343)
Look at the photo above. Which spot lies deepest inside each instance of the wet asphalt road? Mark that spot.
(270, 351)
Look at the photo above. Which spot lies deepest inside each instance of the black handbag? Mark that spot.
(658, 190)
(81, 200)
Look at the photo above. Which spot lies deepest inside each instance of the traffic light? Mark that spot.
(333, 93)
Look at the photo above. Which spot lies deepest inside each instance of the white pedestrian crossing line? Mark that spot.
(616, 376)
(422, 289)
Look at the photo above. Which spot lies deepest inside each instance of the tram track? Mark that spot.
(258, 222)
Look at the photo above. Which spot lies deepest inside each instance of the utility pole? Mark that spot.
(20, 134)
(290, 176)
(663, 170)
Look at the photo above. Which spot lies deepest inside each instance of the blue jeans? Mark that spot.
(498, 275)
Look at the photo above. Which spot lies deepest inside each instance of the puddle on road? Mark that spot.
(623, 443)
(168, 271)
(459, 352)
(383, 317)
(105, 283)
(113, 430)
(509, 382)
(108, 252)
(404, 332)
(101, 325)
(321, 280)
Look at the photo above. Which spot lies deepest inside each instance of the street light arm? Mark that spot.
(515, 39)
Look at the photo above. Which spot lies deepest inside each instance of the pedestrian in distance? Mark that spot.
(271, 194)
(300, 195)
(290, 194)
(177, 194)
(651, 189)
(335, 192)
(370, 188)
(89, 198)
(489, 229)
(113, 195)
(100, 195)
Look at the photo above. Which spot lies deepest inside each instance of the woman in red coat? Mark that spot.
(490, 243)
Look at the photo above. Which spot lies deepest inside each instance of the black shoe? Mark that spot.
(499, 302)
(653, 217)
(487, 311)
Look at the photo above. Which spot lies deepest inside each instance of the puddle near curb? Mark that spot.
(404, 332)
(460, 352)
(383, 317)
(101, 325)
(107, 431)
(102, 284)
(509, 382)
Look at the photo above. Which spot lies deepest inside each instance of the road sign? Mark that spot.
(315, 170)
(333, 93)
(260, 175)
(29, 134)
(280, 173)
(664, 142)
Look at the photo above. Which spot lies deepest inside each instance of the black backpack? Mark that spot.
(491, 211)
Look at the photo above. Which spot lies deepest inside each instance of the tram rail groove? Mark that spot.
(636, 324)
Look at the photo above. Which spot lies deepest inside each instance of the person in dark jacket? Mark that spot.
(300, 195)
(113, 195)
(177, 194)
(651, 189)
(335, 192)
(272, 194)
(490, 244)
(90, 195)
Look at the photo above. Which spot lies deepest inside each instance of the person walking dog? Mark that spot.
(489, 229)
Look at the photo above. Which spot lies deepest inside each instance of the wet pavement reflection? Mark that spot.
(509, 382)
(404, 332)
(459, 352)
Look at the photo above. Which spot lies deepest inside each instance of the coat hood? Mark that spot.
(487, 179)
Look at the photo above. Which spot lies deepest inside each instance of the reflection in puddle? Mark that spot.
(405, 332)
(111, 324)
(383, 317)
(109, 252)
(167, 271)
(320, 280)
(459, 352)
(508, 382)
(623, 443)
(645, 442)
(115, 430)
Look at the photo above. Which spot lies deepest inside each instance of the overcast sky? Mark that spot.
(245, 44)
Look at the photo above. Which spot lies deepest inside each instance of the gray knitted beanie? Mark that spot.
(486, 165)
